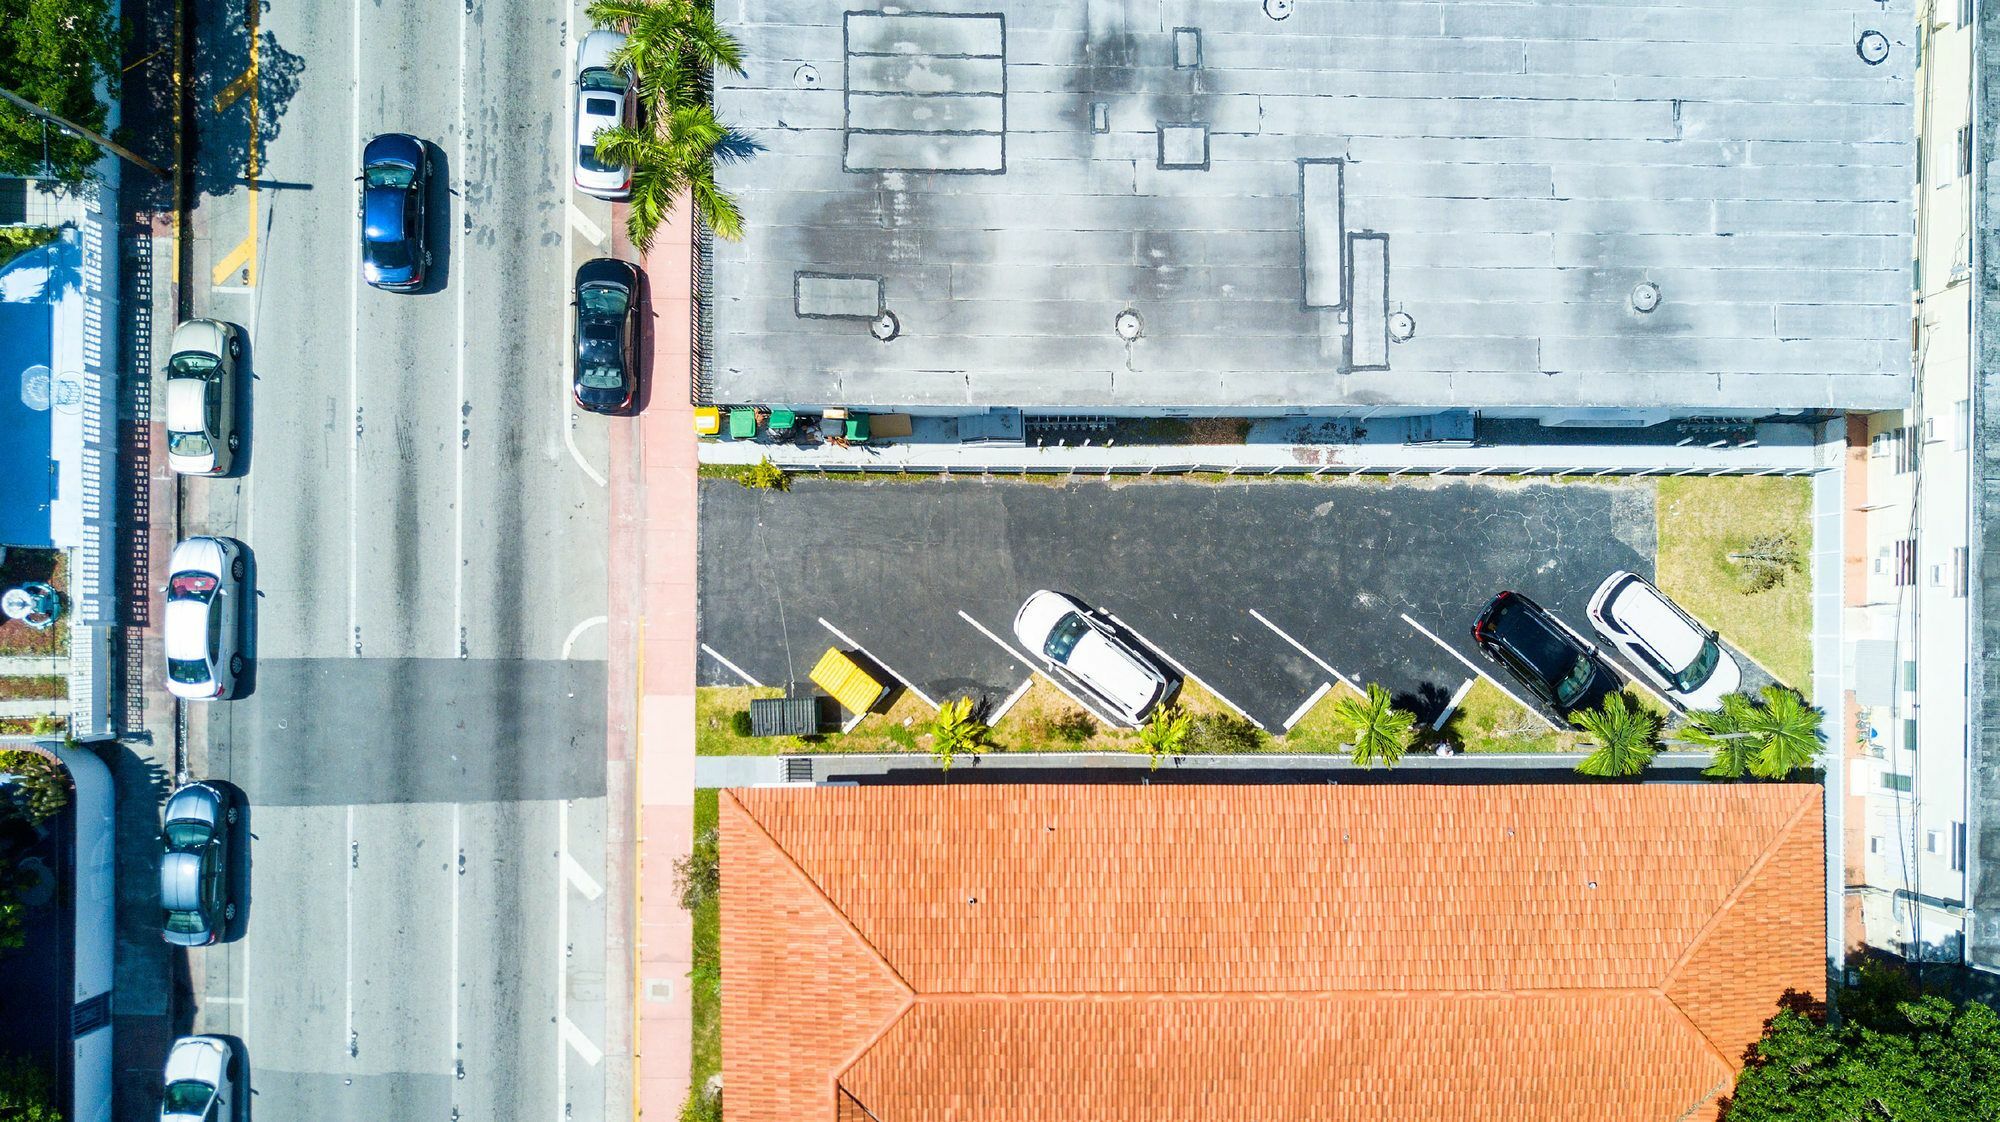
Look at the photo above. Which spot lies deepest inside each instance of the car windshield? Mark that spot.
(184, 923)
(602, 299)
(192, 586)
(188, 671)
(186, 834)
(390, 175)
(1571, 688)
(192, 365)
(586, 158)
(599, 78)
(392, 253)
(188, 444)
(1063, 638)
(1695, 673)
(186, 1096)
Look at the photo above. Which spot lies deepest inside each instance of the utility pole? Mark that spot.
(104, 142)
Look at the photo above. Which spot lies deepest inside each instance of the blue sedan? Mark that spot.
(395, 173)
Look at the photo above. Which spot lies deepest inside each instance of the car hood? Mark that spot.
(597, 48)
(180, 881)
(1038, 617)
(185, 404)
(187, 630)
(200, 1058)
(203, 336)
(1113, 672)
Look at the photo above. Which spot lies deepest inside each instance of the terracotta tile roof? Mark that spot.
(993, 954)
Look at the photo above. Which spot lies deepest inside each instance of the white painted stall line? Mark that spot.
(572, 1037)
(1452, 705)
(1088, 707)
(575, 633)
(353, 856)
(581, 221)
(1301, 648)
(1020, 691)
(733, 668)
(907, 684)
(1185, 672)
(1302, 710)
(1469, 665)
(565, 415)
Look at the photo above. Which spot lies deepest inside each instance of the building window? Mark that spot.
(1961, 571)
(1909, 734)
(1964, 13)
(1961, 425)
(1965, 152)
(1910, 675)
(1895, 781)
(1920, 140)
(1906, 451)
(1931, 840)
(1906, 562)
(1874, 844)
(1958, 847)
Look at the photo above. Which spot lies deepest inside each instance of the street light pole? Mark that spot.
(104, 142)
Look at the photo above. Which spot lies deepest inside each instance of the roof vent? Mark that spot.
(1128, 325)
(1873, 47)
(885, 326)
(1278, 9)
(1645, 296)
(1402, 327)
(806, 77)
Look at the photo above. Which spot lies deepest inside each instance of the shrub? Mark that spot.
(739, 722)
(27, 1092)
(1223, 734)
(1071, 726)
(766, 476)
(1768, 561)
(702, 1105)
(957, 728)
(698, 874)
(1166, 733)
(36, 784)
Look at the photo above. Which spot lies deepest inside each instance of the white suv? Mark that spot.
(1063, 633)
(1678, 655)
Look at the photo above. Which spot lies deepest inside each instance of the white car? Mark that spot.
(1063, 633)
(201, 398)
(603, 101)
(201, 1085)
(1677, 654)
(204, 618)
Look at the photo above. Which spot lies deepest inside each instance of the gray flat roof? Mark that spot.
(1361, 203)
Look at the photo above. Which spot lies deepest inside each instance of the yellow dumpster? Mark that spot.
(846, 682)
(707, 421)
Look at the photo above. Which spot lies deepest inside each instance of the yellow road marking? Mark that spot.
(242, 85)
(238, 258)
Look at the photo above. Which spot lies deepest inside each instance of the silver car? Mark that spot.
(200, 1078)
(194, 866)
(201, 398)
(204, 620)
(603, 101)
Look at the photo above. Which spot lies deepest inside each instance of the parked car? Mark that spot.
(607, 335)
(201, 397)
(201, 1081)
(1063, 633)
(395, 177)
(1548, 658)
(1677, 654)
(204, 620)
(194, 866)
(603, 100)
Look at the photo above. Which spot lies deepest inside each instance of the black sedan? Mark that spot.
(395, 173)
(607, 335)
(1560, 669)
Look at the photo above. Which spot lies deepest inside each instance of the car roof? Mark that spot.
(382, 213)
(1645, 612)
(185, 404)
(1532, 633)
(180, 881)
(199, 1058)
(187, 630)
(1113, 670)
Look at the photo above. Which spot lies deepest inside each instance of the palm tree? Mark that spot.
(1165, 733)
(956, 729)
(1769, 737)
(1720, 730)
(672, 47)
(1375, 729)
(1626, 735)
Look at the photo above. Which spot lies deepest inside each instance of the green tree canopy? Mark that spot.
(1626, 736)
(1374, 727)
(27, 1092)
(55, 53)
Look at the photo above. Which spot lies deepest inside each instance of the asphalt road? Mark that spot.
(423, 749)
(1262, 592)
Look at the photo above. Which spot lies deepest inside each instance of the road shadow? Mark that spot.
(240, 837)
(245, 406)
(233, 116)
(239, 1108)
(246, 622)
(148, 975)
(642, 390)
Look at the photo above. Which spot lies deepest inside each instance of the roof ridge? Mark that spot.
(785, 855)
(939, 997)
(1750, 875)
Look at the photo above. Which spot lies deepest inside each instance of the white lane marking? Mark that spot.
(733, 668)
(1470, 665)
(1301, 648)
(1306, 707)
(565, 415)
(578, 879)
(452, 867)
(575, 633)
(573, 1035)
(457, 644)
(1452, 705)
(1051, 679)
(1020, 691)
(1185, 672)
(352, 857)
(907, 684)
(562, 961)
(353, 419)
(583, 224)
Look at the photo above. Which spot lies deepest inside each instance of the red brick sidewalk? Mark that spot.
(652, 657)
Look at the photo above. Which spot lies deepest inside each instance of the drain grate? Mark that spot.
(798, 769)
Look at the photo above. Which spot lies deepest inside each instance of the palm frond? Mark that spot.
(1375, 728)
(718, 209)
(1626, 736)
(1786, 732)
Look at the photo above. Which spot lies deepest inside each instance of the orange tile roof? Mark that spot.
(1022, 954)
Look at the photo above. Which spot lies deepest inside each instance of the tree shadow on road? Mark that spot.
(235, 117)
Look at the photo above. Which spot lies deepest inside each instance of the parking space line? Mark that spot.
(1302, 710)
(1185, 672)
(907, 684)
(1051, 679)
(733, 668)
(1021, 690)
(1301, 648)
(1451, 706)
(236, 260)
(1470, 665)
(584, 225)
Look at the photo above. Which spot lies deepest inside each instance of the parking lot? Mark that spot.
(1262, 592)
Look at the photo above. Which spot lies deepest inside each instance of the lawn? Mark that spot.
(705, 1058)
(1487, 720)
(1701, 523)
(25, 687)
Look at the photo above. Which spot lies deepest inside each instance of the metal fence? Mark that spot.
(701, 265)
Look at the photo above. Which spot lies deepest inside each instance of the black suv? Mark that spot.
(1559, 668)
